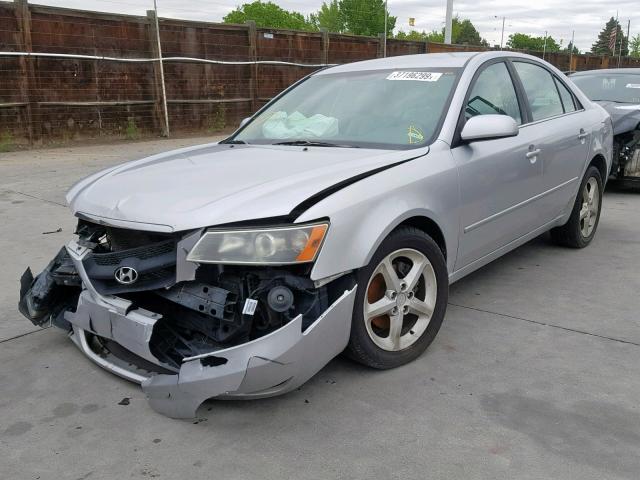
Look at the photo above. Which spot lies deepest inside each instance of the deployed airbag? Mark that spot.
(281, 126)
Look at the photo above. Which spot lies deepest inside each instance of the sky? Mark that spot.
(559, 18)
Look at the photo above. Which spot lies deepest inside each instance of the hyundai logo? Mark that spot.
(126, 275)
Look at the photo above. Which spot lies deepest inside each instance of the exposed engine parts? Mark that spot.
(222, 307)
(627, 147)
(212, 312)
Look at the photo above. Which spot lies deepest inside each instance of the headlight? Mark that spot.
(276, 246)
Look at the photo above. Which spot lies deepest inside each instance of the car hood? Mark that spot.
(219, 183)
(625, 116)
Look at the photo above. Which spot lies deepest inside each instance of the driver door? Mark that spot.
(498, 178)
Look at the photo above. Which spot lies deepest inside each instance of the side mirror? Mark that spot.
(488, 127)
(244, 121)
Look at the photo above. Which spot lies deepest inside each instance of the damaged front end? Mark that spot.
(186, 330)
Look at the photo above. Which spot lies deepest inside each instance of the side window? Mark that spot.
(493, 93)
(566, 97)
(541, 90)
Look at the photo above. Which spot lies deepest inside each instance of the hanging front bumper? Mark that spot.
(270, 365)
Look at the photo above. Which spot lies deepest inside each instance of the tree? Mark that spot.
(268, 14)
(365, 17)
(570, 47)
(466, 33)
(522, 41)
(634, 46)
(602, 44)
(329, 16)
(462, 32)
(412, 35)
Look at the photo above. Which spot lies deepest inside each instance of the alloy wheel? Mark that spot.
(590, 207)
(400, 299)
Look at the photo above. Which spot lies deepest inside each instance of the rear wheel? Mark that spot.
(583, 222)
(400, 302)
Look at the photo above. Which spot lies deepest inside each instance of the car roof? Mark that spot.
(425, 60)
(609, 71)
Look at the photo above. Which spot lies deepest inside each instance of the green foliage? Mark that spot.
(462, 32)
(467, 34)
(6, 142)
(218, 121)
(270, 15)
(132, 131)
(634, 46)
(329, 16)
(522, 41)
(365, 17)
(570, 47)
(412, 35)
(601, 46)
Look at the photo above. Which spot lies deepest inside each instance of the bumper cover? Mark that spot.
(271, 365)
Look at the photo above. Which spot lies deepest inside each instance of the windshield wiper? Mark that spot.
(233, 142)
(312, 143)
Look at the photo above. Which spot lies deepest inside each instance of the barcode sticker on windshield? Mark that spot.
(249, 306)
(415, 76)
(633, 85)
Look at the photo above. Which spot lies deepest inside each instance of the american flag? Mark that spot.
(612, 39)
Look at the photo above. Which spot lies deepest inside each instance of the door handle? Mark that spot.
(532, 155)
(582, 135)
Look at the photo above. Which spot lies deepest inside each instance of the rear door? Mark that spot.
(498, 178)
(560, 129)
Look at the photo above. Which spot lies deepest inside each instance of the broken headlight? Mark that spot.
(268, 246)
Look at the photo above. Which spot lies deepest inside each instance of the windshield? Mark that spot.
(375, 109)
(616, 87)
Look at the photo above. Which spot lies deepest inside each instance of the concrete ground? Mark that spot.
(534, 375)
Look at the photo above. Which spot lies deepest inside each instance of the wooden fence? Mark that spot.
(64, 96)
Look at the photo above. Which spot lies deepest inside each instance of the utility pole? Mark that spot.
(448, 22)
(164, 90)
(573, 34)
(502, 35)
(386, 16)
(544, 47)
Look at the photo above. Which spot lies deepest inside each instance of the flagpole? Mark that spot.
(615, 38)
(621, 39)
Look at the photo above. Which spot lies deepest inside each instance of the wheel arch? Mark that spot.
(600, 163)
(428, 226)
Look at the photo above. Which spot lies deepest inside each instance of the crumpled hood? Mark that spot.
(218, 183)
(625, 116)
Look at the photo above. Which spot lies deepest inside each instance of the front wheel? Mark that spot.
(401, 300)
(583, 222)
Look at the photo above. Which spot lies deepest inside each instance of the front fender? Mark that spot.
(363, 214)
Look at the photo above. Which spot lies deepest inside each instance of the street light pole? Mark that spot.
(573, 34)
(448, 22)
(386, 15)
(544, 47)
(502, 36)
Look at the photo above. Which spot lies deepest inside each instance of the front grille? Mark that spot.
(153, 256)
(142, 253)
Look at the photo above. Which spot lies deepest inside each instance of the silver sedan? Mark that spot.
(333, 220)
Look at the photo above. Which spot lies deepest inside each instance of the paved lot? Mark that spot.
(534, 375)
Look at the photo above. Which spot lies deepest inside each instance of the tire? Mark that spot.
(419, 297)
(574, 233)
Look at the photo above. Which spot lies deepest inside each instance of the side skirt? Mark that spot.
(481, 262)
